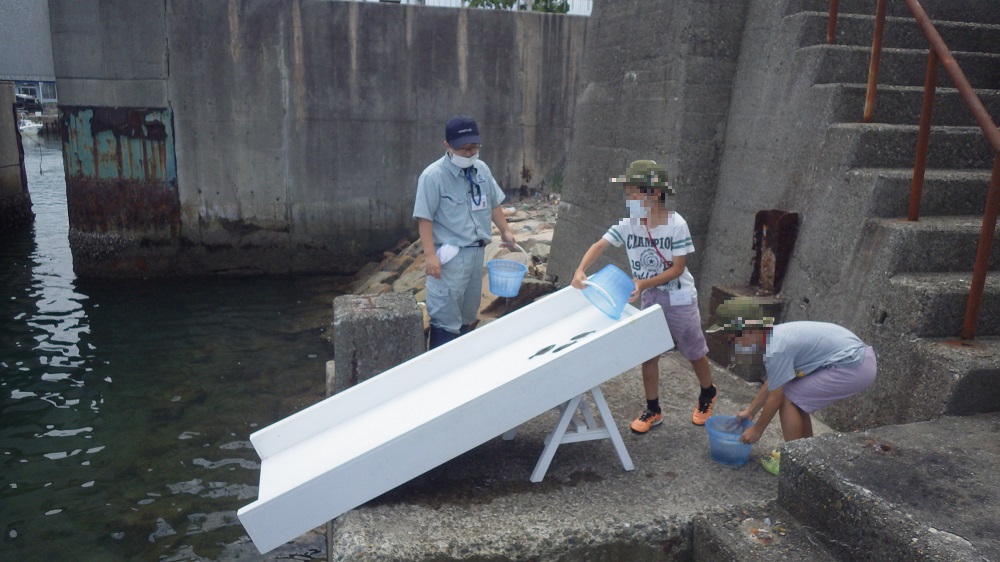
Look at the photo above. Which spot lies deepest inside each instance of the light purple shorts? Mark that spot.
(684, 322)
(825, 386)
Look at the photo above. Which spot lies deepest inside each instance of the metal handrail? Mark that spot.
(939, 54)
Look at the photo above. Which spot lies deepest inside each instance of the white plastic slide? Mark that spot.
(368, 439)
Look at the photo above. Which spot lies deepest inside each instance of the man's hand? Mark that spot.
(508, 240)
(432, 265)
(578, 278)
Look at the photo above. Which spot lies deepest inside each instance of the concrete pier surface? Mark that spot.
(482, 506)
(921, 491)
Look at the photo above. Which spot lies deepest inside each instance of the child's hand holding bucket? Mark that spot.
(637, 292)
(751, 435)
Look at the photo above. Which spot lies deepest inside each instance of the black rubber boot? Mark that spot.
(439, 337)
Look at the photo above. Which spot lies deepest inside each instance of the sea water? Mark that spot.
(126, 407)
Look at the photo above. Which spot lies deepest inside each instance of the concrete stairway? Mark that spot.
(908, 489)
(916, 274)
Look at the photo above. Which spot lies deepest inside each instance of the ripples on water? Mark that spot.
(127, 406)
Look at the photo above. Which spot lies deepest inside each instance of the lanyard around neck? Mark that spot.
(475, 192)
(655, 249)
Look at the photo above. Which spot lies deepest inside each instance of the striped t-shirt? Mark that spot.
(671, 239)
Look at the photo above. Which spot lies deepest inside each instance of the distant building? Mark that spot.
(26, 48)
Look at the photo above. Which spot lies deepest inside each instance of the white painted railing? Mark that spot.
(576, 7)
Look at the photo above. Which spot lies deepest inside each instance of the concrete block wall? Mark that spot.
(301, 127)
(372, 334)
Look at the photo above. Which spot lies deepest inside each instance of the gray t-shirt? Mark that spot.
(796, 349)
(460, 212)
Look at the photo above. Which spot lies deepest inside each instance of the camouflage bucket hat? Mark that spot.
(645, 173)
(740, 313)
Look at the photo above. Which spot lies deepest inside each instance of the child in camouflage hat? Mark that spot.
(809, 365)
(658, 241)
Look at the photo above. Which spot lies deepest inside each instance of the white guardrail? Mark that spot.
(576, 7)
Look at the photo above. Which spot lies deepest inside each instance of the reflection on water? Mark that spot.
(127, 406)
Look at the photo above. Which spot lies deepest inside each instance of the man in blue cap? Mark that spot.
(457, 198)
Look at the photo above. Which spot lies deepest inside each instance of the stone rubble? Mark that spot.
(532, 220)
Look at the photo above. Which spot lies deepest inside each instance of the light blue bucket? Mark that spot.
(608, 290)
(724, 439)
(505, 277)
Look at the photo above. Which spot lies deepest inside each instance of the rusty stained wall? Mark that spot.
(121, 176)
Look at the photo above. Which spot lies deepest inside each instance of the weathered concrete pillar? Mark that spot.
(15, 203)
(373, 333)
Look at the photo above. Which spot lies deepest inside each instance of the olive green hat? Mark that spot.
(645, 173)
(740, 313)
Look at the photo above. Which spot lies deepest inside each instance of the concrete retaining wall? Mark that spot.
(301, 127)
(656, 83)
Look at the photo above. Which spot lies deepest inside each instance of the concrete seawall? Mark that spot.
(288, 136)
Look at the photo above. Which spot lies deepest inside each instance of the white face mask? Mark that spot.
(636, 209)
(463, 161)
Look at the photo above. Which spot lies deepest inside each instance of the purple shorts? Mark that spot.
(823, 387)
(684, 322)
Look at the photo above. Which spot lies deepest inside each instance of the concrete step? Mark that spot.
(945, 192)
(942, 299)
(901, 67)
(921, 379)
(917, 492)
(971, 366)
(742, 534)
(900, 32)
(901, 105)
(877, 145)
(977, 11)
(935, 244)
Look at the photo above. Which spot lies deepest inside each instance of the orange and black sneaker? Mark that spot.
(646, 420)
(703, 410)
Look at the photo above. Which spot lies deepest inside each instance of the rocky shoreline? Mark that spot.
(532, 220)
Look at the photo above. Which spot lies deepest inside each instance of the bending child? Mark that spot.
(657, 240)
(809, 366)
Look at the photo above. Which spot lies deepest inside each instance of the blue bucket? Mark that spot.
(608, 290)
(724, 440)
(505, 277)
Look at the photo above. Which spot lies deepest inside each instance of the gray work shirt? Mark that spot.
(459, 214)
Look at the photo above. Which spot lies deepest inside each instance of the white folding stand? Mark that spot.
(586, 429)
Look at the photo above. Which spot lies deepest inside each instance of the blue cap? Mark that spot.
(461, 131)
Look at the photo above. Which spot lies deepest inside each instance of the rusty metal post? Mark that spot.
(983, 252)
(875, 59)
(831, 24)
(923, 137)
